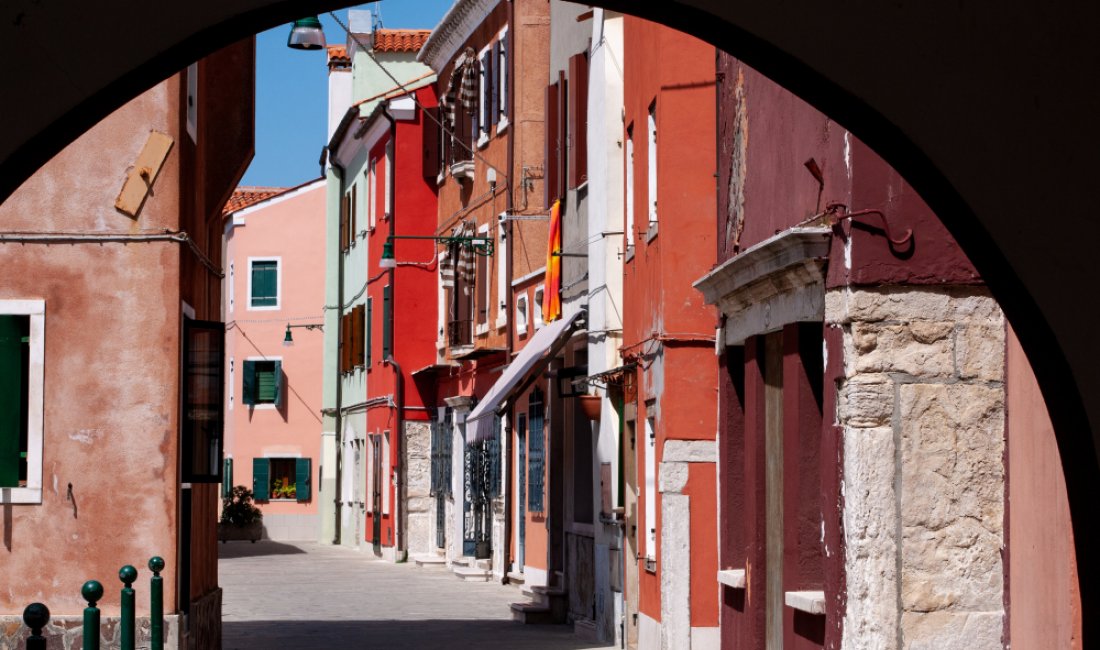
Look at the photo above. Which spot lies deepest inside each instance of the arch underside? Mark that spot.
(991, 114)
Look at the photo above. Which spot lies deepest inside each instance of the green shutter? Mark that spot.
(261, 478)
(227, 477)
(387, 319)
(277, 376)
(265, 283)
(370, 328)
(248, 383)
(12, 400)
(266, 384)
(302, 478)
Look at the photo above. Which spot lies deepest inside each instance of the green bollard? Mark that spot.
(92, 592)
(36, 615)
(156, 604)
(127, 575)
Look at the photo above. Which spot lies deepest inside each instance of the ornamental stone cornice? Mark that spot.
(781, 280)
(452, 32)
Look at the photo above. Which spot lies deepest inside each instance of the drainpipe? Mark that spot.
(509, 227)
(336, 530)
(399, 378)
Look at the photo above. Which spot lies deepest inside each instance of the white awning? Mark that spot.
(479, 423)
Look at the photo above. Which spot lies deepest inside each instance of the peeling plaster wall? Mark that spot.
(922, 407)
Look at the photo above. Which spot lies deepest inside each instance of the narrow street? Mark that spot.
(306, 595)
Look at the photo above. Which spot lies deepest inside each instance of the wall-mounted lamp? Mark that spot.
(306, 34)
(288, 340)
(482, 246)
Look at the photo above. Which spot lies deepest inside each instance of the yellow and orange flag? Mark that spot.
(551, 295)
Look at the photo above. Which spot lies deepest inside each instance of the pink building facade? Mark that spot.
(274, 291)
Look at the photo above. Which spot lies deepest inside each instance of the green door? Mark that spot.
(14, 332)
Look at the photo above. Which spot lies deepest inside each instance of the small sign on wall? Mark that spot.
(139, 182)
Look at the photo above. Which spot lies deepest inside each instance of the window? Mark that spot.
(353, 214)
(203, 379)
(372, 194)
(387, 322)
(485, 96)
(386, 473)
(388, 180)
(263, 283)
(650, 522)
(262, 382)
(651, 183)
(231, 383)
(629, 237)
(22, 350)
(227, 477)
(372, 458)
(521, 315)
(482, 284)
(540, 293)
(369, 327)
(502, 81)
(281, 479)
(354, 349)
(555, 140)
(229, 285)
(501, 252)
(536, 452)
(193, 101)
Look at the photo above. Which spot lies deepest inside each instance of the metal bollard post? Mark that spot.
(36, 615)
(156, 604)
(127, 575)
(92, 592)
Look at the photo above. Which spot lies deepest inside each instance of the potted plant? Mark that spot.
(241, 520)
(590, 406)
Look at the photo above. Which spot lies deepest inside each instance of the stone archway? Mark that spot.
(983, 111)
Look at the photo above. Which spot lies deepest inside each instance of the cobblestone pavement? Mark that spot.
(305, 596)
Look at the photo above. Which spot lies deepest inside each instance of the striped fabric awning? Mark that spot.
(462, 87)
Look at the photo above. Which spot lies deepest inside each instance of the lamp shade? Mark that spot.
(288, 340)
(387, 261)
(306, 34)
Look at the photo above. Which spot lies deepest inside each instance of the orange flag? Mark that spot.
(551, 295)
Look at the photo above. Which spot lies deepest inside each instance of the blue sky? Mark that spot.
(292, 90)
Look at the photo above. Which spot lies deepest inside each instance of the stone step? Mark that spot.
(585, 629)
(485, 565)
(472, 574)
(543, 596)
(535, 614)
(428, 560)
(517, 579)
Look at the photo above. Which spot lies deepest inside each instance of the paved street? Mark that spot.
(306, 595)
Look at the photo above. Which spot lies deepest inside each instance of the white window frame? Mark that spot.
(501, 252)
(651, 183)
(372, 450)
(386, 480)
(278, 283)
(502, 65)
(484, 97)
(232, 386)
(265, 406)
(630, 233)
(36, 310)
(484, 285)
(388, 208)
(536, 307)
(232, 280)
(372, 189)
(650, 522)
(522, 314)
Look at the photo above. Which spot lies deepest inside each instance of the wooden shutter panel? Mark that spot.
(578, 119)
(12, 410)
(387, 330)
(550, 166)
(302, 478)
(248, 383)
(431, 142)
(343, 222)
(278, 377)
(506, 74)
(353, 225)
(494, 83)
(486, 96)
(359, 334)
(481, 286)
(227, 478)
(261, 478)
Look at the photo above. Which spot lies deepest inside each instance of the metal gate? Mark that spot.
(442, 433)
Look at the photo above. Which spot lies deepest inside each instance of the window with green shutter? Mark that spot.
(387, 320)
(262, 382)
(265, 283)
(227, 478)
(261, 479)
(302, 478)
(14, 338)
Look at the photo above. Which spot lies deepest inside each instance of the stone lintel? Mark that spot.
(732, 578)
(811, 602)
(690, 451)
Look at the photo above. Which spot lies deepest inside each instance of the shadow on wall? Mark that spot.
(230, 550)
(502, 634)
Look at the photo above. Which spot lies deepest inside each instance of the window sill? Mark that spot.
(652, 232)
(463, 169)
(732, 578)
(482, 329)
(265, 406)
(650, 565)
(811, 602)
(271, 308)
(482, 140)
(25, 495)
(629, 256)
(502, 125)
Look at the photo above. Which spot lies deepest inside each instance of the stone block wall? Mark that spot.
(419, 505)
(922, 409)
(67, 632)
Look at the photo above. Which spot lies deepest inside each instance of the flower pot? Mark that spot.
(248, 532)
(590, 406)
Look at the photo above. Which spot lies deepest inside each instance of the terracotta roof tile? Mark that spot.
(338, 55)
(400, 40)
(245, 196)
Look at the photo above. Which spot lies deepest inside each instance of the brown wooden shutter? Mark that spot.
(481, 285)
(431, 142)
(354, 209)
(357, 337)
(578, 119)
(550, 167)
(343, 223)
